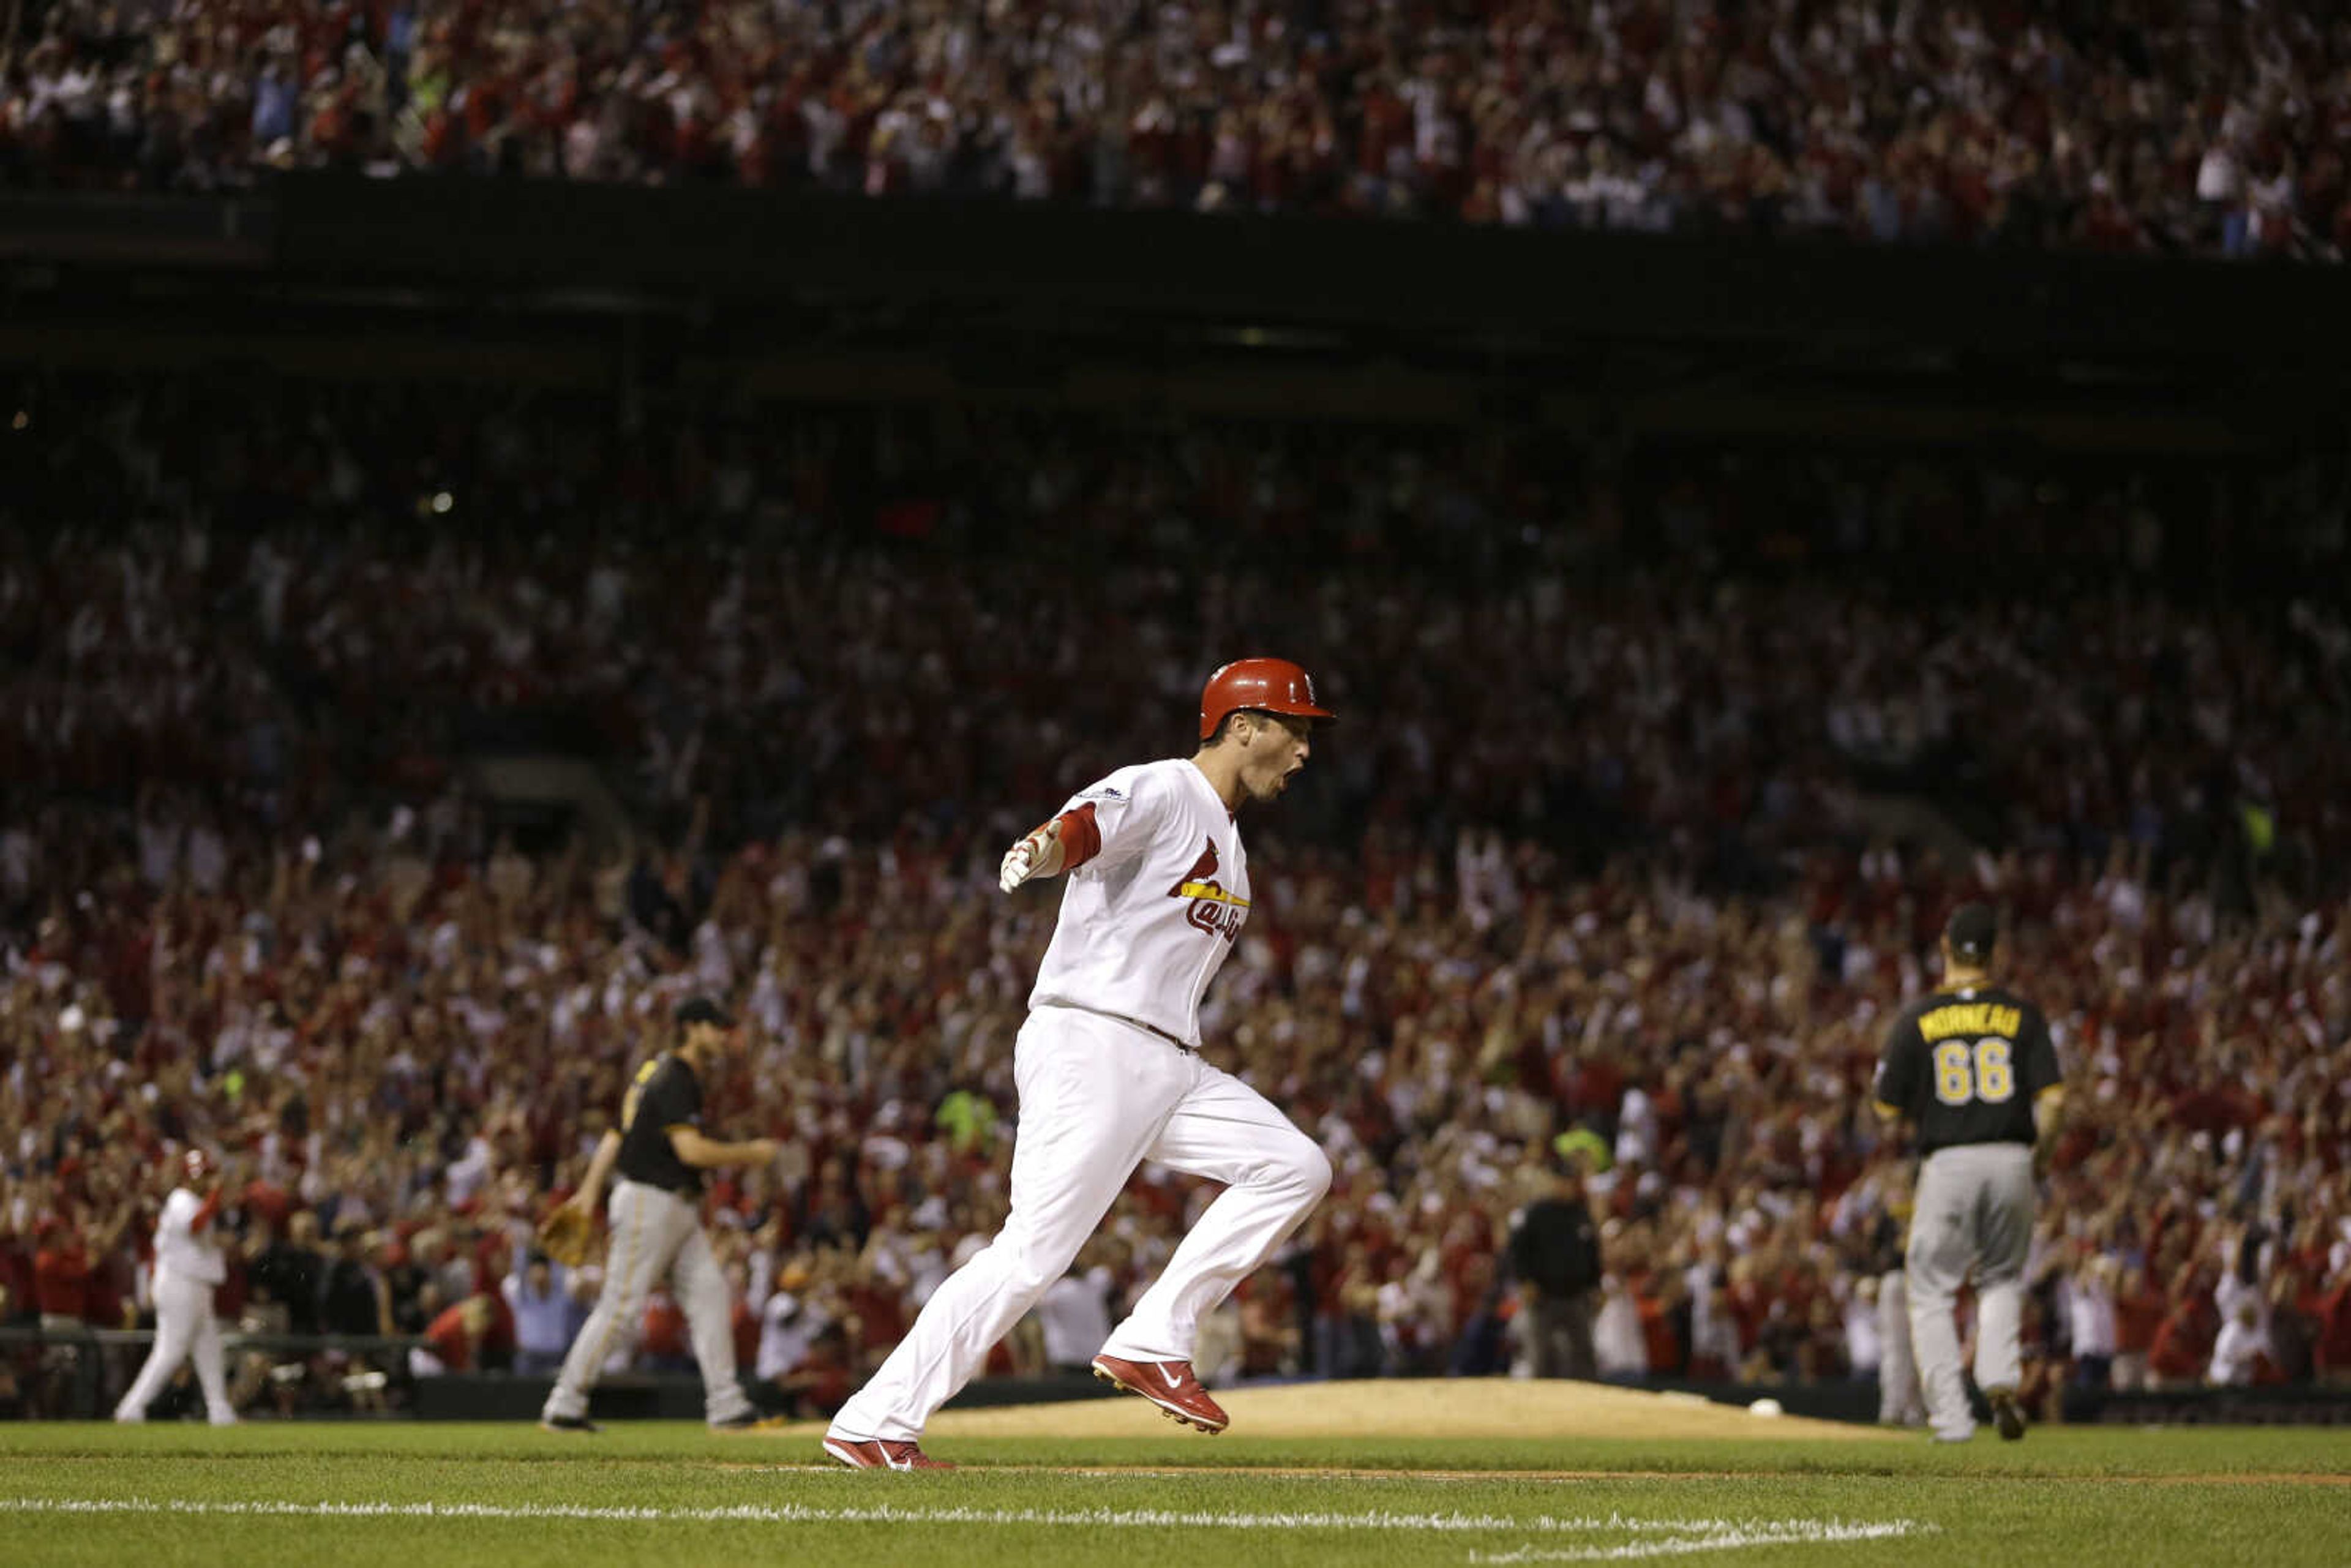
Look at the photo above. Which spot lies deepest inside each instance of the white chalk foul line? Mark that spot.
(1681, 1535)
(1770, 1533)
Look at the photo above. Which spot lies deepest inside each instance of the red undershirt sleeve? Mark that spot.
(1081, 837)
(204, 1212)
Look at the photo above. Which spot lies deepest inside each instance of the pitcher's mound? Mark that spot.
(1417, 1407)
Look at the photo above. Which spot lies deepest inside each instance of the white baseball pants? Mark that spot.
(184, 1323)
(654, 1233)
(1098, 1097)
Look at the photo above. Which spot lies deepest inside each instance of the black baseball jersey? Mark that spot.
(1555, 1248)
(666, 1095)
(1967, 1066)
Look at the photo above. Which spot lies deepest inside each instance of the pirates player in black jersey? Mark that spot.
(656, 1219)
(1974, 1070)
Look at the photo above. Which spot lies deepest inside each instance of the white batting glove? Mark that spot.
(1021, 861)
(1039, 854)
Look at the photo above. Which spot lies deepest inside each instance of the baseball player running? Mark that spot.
(1109, 1074)
(187, 1266)
(1974, 1067)
(656, 1219)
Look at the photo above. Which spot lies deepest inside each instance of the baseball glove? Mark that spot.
(567, 1235)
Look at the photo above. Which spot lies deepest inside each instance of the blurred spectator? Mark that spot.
(539, 1297)
(2138, 1317)
(453, 1341)
(662, 1343)
(1347, 1341)
(2240, 1348)
(1075, 1315)
(1620, 1348)
(290, 1271)
(354, 1301)
(2093, 1323)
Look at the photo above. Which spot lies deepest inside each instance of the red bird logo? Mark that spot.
(1213, 910)
(1203, 872)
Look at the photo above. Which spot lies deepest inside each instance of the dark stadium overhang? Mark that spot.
(845, 300)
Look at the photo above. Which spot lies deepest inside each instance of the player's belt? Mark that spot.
(683, 1194)
(1153, 1028)
(1185, 1046)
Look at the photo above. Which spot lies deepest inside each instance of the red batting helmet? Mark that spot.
(1272, 686)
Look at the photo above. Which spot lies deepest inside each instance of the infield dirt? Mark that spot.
(1435, 1407)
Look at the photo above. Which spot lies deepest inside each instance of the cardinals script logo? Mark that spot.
(1213, 909)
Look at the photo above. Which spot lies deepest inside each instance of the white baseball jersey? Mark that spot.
(183, 1250)
(1146, 923)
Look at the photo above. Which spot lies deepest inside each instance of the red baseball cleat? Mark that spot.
(1168, 1384)
(881, 1453)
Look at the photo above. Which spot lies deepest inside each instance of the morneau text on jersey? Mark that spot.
(1970, 1018)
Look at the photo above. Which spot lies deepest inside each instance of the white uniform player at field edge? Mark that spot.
(187, 1267)
(1109, 1074)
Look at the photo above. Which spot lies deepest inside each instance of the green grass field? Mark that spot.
(673, 1495)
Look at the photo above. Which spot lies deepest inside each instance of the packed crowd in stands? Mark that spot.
(2161, 125)
(1603, 864)
(409, 1044)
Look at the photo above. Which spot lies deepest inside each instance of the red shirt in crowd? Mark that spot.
(2136, 1319)
(1657, 1335)
(665, 1330)
(2334, 1315)
(61, 1276)
(745, 1325)
(16, 1274)
(453, 1335)
(2183, 1344)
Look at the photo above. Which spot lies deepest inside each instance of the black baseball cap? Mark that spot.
(702, 1009)
(1971, 931)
